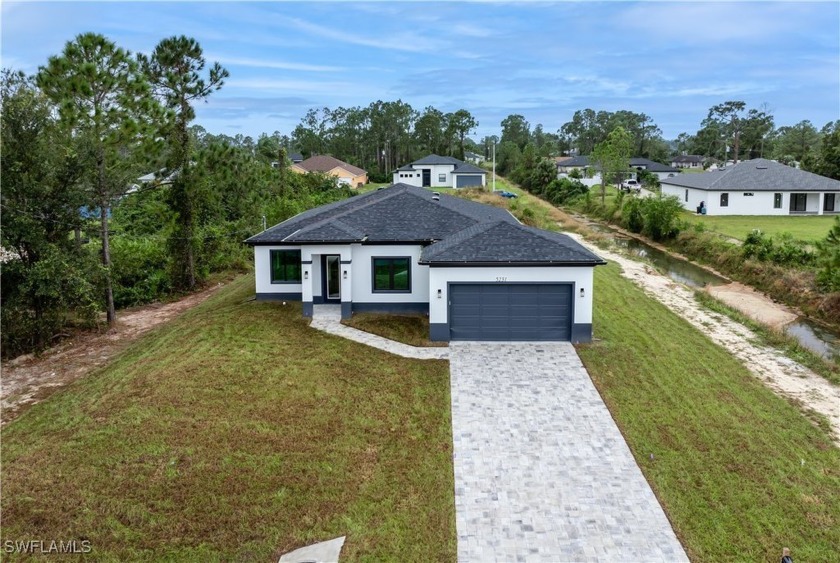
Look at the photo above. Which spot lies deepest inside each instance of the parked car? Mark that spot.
(631, 186)
(508, 194)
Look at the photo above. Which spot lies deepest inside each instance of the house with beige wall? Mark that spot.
(347, 174)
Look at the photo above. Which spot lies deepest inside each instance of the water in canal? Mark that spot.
(810, 335)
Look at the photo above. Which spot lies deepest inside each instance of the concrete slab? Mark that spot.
(324, 552)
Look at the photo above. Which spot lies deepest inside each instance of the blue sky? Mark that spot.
(671, 61)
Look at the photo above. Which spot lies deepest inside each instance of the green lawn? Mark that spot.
(238, 433)
(741, 472)
(807, 228)
(409, 329)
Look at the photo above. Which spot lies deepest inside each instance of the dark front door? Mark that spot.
(331, 281)
(510, 312)
(828, 202)
(427, 177)
(798, 202)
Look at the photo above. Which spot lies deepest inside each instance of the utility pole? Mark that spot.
(494, 165)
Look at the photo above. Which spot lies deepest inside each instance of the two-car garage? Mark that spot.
(510, 311)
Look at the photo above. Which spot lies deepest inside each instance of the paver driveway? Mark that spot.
(541, 471)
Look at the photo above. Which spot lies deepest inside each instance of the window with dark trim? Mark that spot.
(285, 266)
(777, 201)
(392, 274)
(828, 202)
(798, 202)
(724, 200)
(441, 177)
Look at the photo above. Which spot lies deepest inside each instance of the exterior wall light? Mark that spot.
(306, 274)
(440, 293)
(345, 274)
(582, 292)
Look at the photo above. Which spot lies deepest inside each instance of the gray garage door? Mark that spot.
(467, 180)
(510, 311)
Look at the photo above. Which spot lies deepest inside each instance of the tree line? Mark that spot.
(81, 235)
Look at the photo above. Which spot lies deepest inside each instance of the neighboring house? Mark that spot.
(592, 175)
(474, 269)
(346, 174)
(473, 158)
(579, 163)
(435, 171)
(661, 171)
(295, 157)
(688, 161)
(756, 187)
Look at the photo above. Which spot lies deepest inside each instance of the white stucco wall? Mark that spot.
(262, 271)
(760, 203)
(362, 286)
(580, 276)
(411, 178)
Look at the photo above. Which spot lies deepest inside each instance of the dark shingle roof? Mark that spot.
(756, 175)
(468, 169)
(651, 166)
(505, 242)
(576, 161)
(455, 230)
(406, 168)
(397, 213)
(688, 158)
(437, 159)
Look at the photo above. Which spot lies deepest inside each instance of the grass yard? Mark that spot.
(236, 432)
(807, 228)
(740, 471)
(409, 329)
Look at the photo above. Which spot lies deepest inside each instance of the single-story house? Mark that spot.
(757, 187)
(295, 157)
(592, 173)
(660, 170)
(346, 174)
(435, 171)
(688, 161)
(473, 157)
(472, 268)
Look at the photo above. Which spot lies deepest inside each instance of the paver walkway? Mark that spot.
(542, 472)
(328, 319)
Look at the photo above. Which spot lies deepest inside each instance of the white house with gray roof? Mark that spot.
(756, 187)
(436, 171)
(472, 268)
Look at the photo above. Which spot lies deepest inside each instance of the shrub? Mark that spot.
(661, 217)
(631, 216)
(140, 270)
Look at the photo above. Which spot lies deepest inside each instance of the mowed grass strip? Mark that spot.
(805, 228)
(236, 432)
(740, 471)
(408, 329)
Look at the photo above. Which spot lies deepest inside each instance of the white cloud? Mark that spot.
(261, 63)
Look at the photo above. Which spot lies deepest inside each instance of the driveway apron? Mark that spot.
(542, 472)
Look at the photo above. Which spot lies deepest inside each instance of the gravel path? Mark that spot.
(28, 379)
(785, 376)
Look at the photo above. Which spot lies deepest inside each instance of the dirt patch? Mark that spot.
(29, 379)
(781, 374)
(753, 304)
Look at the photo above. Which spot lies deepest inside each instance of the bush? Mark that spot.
(140, 270)
(828, 278)
(784, 250)
(661, 217)
(631, 216)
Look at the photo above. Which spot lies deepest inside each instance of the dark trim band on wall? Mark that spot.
(291, 296)
(309, 262)
(346, 262)
(390, 307)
